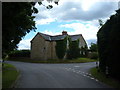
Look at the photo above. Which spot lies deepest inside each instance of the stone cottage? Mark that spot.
(43, 45)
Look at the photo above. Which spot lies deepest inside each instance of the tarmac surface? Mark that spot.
(75, 75)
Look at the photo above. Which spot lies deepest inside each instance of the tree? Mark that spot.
(100, 22)
(17, 22)
(49, 1)
(93, 47)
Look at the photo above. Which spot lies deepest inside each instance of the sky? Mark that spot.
(73, 16)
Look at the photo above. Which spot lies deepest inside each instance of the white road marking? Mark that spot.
(76, 66)
(82, 73)
(91, 78)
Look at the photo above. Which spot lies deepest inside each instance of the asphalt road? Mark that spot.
(56, 75)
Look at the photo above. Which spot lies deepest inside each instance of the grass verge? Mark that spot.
(9, 75)
(102, 77)
(79, 60)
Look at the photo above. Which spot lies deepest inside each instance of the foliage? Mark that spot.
(17, 22)
(74, 50)
(84, 51)
(101, 23)
(93, 47)
(78, 60)
(108, 45)
(49, 1)
(61, 47)
(93, 55)
(19, 53)
(71, 51)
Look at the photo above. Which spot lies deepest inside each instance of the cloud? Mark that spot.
(24, 44)
(87, 30)
(44, 21)
(91, 41)
(51, 33)
(75, 10)
(96, 11)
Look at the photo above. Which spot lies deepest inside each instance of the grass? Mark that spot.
(102, 77)
(82, 60)
(79, 60)
(0, 75)
(9, 75)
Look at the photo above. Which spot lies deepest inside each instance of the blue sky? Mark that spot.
(73, 16)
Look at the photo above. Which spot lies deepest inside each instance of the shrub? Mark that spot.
(74, 50)
(19, 53)
(61, 47)
(93, 55)
(108, 45)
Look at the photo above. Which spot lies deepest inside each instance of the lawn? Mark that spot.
(9, 75)
(79, 60)
(0, 75)
(102, 77)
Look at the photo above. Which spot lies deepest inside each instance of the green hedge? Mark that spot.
(93, 55)
(19, 53)
(109, 47)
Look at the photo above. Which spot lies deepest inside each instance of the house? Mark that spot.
(43, 45)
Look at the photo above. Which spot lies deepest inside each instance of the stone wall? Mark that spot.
(48, 50)
(42, 49)
(38, 48)
(82, 42)
(53, 50)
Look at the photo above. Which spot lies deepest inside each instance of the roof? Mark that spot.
(58, 37)
(75, 37)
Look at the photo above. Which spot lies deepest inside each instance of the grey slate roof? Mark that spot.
(75, 37)
(59, 37)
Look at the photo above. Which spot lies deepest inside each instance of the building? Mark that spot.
(43, 45)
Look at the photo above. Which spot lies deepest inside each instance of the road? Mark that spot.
(74, 75)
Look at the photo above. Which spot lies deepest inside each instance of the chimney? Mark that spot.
(64, 33)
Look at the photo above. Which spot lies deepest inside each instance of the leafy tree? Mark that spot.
(49, 1)
(93, 47)
(100, 22)
(17, 21)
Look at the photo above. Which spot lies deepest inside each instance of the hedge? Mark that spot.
(19, 53)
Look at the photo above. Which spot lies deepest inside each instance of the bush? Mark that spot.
(108, 45)
(93, 55)
(84, 51)
(60, 47)
(19, 53)
(74, 50)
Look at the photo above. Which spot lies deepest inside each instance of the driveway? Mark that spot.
(74, 75)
